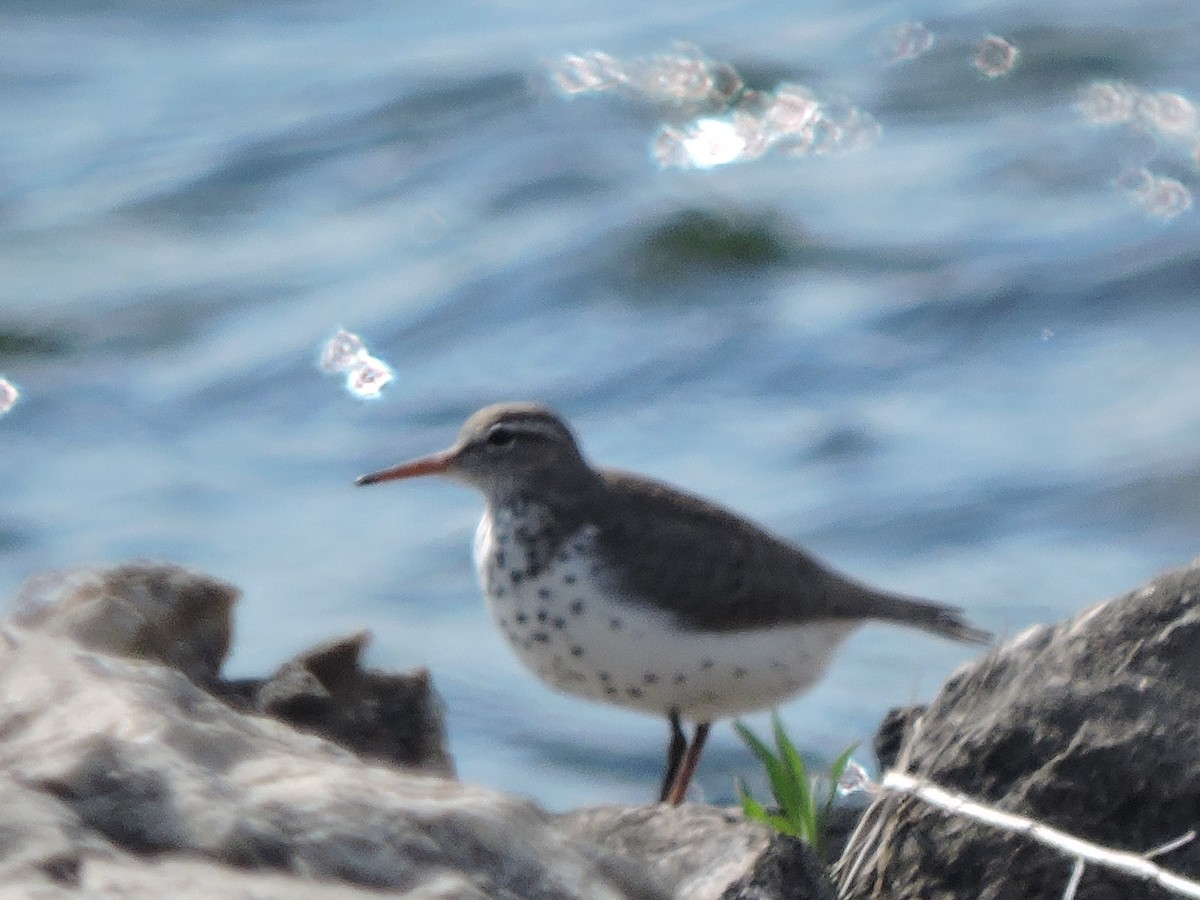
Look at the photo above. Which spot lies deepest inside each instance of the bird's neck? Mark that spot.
(534, 524)
(561, 496)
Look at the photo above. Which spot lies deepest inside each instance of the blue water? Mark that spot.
(971, 373)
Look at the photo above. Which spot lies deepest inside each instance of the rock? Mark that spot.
(381, 716)
(786, 870)
(129, 767)
(176, 616)
(705, 853)
(892, 733)
(1089, 726)
(184, 619)
(122, 776)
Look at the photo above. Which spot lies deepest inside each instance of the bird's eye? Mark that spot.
(500, 436)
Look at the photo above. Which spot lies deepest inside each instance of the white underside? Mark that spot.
(584, 641)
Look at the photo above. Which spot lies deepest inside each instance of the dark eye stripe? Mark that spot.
(502, 433)
(501, 436)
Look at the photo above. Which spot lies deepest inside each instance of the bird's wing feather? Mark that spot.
(712, 569)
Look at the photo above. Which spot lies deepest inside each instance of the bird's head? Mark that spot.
(504, 450)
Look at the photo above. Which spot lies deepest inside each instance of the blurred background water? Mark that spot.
(959, 362)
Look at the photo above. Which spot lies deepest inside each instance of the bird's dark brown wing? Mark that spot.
(712, 569)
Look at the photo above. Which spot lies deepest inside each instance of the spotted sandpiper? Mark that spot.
(618, 588)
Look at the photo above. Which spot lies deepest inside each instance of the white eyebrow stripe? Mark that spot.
(538, 427)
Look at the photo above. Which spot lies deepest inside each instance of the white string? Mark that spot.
(1139, 865)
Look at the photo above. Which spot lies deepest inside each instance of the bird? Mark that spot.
(619, 588)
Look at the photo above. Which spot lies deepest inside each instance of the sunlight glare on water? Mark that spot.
(908, 41)
(994, 56)
(1156, 195)
(1108, 102)
(701, 144)
(1171, 115)
(683, 79)
(1169, 119)
(366, 375)
(342, 352)
(1165, 116)
(8, 395)
(711, 118)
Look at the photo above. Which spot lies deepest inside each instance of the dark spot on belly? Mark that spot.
(707, 664)
(558, 622)
(569, 578)
(522, 618)
(777, 665)
(615, 624)
(545, 593)
(679, 678)
(541, 637)
(499, 558)
(634, 691)
(516, 575)
(739, 672)
(577, 651)
(577, 607)
(610, 690)
(604, 676)
(499, 591)
(542, 615)
(650, 678)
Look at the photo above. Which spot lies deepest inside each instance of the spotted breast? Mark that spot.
(575, 627)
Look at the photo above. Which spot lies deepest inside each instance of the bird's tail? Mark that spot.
(936, 618)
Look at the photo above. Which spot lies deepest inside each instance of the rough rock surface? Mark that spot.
(175, 616)
(130, 768)
(381, 716)
(184, 619)
(122, 776)
(706, 852)
(1091, 726)
(786, 870)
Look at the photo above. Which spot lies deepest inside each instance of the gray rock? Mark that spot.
(381, 716)
(786, 870)
(124, 776)
(1089, 726)
(184, 619)
(176, 616)
(705, 853)
(129, 767)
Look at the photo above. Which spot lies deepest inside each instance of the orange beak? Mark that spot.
(436, 464)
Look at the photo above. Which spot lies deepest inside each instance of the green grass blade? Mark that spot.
(761, 750)
(804, 808)
(787, 777)
(796, 796)
(764, 754)
(756, 811)
(751, 807)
